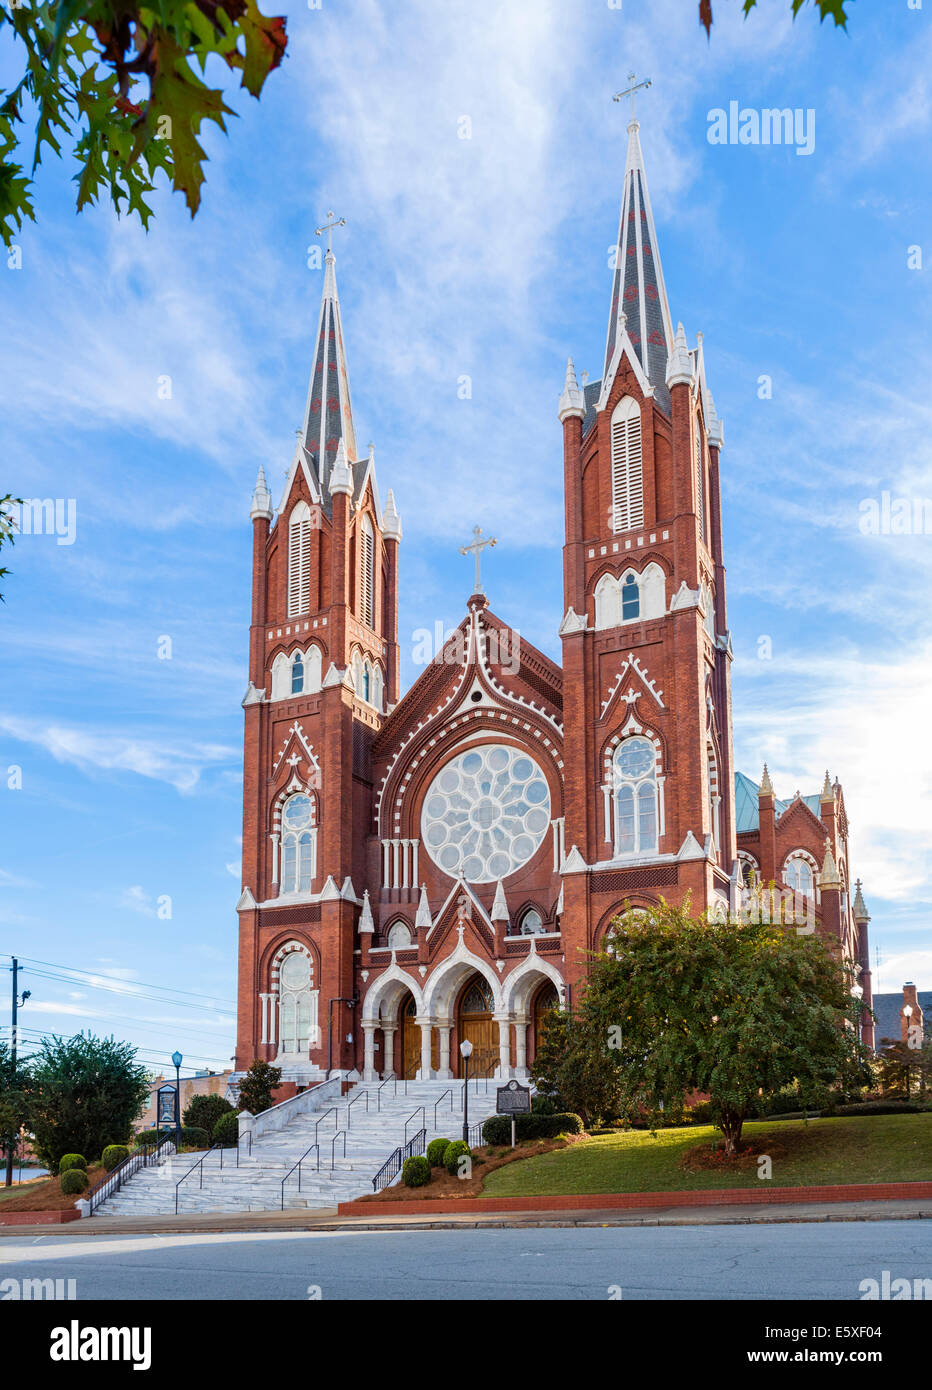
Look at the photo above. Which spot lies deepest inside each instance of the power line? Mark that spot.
(130, 993)
(93, 977)
(40, 1033)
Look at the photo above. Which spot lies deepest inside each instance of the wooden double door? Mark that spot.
(474, 1024)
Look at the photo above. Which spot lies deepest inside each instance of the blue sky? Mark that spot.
(485, 257)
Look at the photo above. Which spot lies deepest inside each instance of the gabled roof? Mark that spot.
(746, 808)
(638, 289)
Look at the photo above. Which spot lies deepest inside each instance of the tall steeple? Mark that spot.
(328, 415)
(638, 289)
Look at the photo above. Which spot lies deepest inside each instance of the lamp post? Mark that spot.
(177, 1060)
(466, 1053)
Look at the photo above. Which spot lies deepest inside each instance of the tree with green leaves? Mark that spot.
(116, 81)
(203, 1112)
(86, 1093)
(15, 1085)
(256, 1087)
(834, 9)
(574, 1071)
(735, 1010)
(903, 1069)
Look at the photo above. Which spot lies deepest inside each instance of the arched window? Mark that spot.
(367, 682)
(607, 608)
(299, 560)
(366, 573)
(630, 599)
(714, 798)
(297, 1005)
(798, 876)
(297, 674)
(357, 673)
(635, 772)
(750, 873)
(378, 688)
(299, 844)
(532, 924)
(399, 936)
(627, 476)
(313, 663)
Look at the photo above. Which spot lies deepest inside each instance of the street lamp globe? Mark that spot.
(177, 1059)
(466, 1048)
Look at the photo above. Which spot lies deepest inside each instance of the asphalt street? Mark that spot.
(806, 1261)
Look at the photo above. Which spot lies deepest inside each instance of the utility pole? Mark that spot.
(16, 1001)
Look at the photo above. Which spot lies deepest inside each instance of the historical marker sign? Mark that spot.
(513, 1099)
(167, 1102)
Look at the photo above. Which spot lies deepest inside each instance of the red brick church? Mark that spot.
(424, 868)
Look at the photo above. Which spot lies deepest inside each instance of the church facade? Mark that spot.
(427, 868)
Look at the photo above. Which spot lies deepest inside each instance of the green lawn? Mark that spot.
(875, 1148)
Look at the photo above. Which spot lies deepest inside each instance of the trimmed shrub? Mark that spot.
(497, 1129)
(543, 1105)
(226, 1130)
(415, 1171)
(113, 1155)
(149, 1138)
(190, 1138)
(436, 1150)
(69, 1161)
(204, 1112)
(454, 1152)
(74, 1181)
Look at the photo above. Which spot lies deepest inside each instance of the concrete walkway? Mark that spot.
(326, 1220)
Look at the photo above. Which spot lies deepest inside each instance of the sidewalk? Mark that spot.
(910, 1209)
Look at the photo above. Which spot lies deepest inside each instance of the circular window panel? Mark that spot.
(486, 813)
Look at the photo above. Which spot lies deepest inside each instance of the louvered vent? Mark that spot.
(627, 468)
(700, 480)
(367, 573)
(299, 565)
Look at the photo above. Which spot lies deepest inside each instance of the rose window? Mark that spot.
(486, 813)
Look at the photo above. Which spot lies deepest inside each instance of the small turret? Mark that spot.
(571, 401)
(261, 499)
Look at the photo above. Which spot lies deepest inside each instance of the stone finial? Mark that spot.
(423, 918)
(766, 786)
(341, 480)
(571, 400)
(680, 370)
(829, 878)
(859, 907)
(366, 924)
(827, 791)
(500, 905)
(261, 499)
(391, 521)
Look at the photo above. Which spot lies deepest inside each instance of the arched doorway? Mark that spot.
(545, 999)
(474, 1024)
(409, 1049)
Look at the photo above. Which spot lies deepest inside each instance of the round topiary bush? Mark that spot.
(74, 1181)
(415, 1171)
(226, 1130)
(69, 1161)
(451, 1159)
(203, 1112)
(113, 1155)
(435, 1152)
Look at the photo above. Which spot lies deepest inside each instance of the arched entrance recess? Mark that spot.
(474, 1024)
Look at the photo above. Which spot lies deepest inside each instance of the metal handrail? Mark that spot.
(317, 1123)
(298, 1166)
(418, 1111)
(447, 1092)
(200, 1164)
(142, 1158)
(393, 1164)
(349, 1107)
(333, 1141)
(389, 1081)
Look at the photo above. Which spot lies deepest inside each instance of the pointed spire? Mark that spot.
(680, 368)
(391, 521)
(571, 401)
(366, 924)
(500, 905)
(766, 786)
(423, 918)
(638, 288)
(829, 877)
(859, 906)
(261, 499)
(341, 479)
(328, 415)
(827, 792)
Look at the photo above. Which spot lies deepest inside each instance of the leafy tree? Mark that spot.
(8, 501)
(87, 1091)
(203, 1112)
(826, 8)
(256, 1087)
(15, 1084)
(573, 1069)
(734, 1010)
(115, 80)
(903, 1069)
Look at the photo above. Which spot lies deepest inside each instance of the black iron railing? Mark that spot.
(149, 1157)
(297, 1167)
(393, 1164)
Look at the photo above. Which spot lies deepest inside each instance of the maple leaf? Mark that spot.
(179, 95)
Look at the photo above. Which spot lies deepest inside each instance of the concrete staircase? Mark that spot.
(370, 1119)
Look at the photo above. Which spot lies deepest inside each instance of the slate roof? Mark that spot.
(887, 1013)
(746, 807)
(328, 414)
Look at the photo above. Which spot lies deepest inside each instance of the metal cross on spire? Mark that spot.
(630, 91)
(478, 545)
(328, 228)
